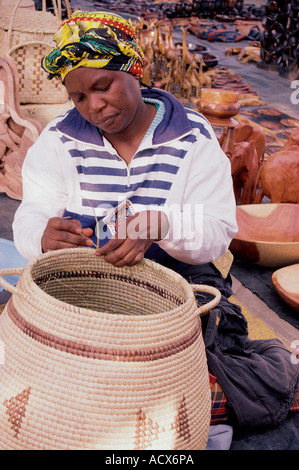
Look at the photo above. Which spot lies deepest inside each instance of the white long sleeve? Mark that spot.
(189, 177)
(206, 218)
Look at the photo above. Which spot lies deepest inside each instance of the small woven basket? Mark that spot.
(98, 357)
(26, 35)
(34, 86)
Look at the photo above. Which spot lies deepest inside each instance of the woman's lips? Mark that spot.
(106, 121)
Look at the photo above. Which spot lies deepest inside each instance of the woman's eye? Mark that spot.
(104, 88)
(77, 99)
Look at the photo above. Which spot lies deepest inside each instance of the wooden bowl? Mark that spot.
(218, 110)
(201, 49)
(219, 95)
(209, 60)
(268, 234)
(286, 282)
(218, 102)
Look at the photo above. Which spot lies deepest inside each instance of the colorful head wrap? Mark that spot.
(96, 40)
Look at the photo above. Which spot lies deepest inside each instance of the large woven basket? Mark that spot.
(98, 357)
(26, 35)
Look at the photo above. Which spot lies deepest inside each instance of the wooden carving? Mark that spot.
(278, 177)
(286, 282)
(245, 165)
(267, 234)
(249, 54)
(170, 66)
(246, 131)
(293, 140)
(246, 159)
(279, 45)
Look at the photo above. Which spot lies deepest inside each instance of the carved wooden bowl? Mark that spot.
(209, 60)
(218, 102)
(268, 234)
(286, 282)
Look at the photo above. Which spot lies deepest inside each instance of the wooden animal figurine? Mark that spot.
(249, 53)
(246, 131)
(246, 158)
(293, 140)
(244, 167)
(278, 177)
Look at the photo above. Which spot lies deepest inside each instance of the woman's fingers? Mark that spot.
(125, 252)
(134, 237)
(64, 233)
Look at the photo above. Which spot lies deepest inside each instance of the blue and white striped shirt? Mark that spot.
(73, 170)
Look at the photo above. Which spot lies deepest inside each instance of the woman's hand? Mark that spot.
(65, 233)
(134, 238)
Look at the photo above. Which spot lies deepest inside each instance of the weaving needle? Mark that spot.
(82, 234)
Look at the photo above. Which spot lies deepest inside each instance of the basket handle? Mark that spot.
(6, 285)
(9, 31)
(204, 309)
(57, 13)
(57, 8)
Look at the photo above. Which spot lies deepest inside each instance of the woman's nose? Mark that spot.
(95, 103)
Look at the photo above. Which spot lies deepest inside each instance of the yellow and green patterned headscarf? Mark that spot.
(96, 40)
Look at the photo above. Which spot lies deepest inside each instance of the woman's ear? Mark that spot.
(145, 85)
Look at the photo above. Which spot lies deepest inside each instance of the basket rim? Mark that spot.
(28, 20)
(27, 272)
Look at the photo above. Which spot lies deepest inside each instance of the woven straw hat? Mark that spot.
(98, 357)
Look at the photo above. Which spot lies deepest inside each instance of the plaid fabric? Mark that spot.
(295, 406)
(219, 406)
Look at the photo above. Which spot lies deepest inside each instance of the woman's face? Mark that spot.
(108, 99)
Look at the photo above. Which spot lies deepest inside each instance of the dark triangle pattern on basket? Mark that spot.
(16, 409)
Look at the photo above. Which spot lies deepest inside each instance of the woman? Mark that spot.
(133, 172)
(127, 144)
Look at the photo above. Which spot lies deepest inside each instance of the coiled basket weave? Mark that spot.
(98, 357)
